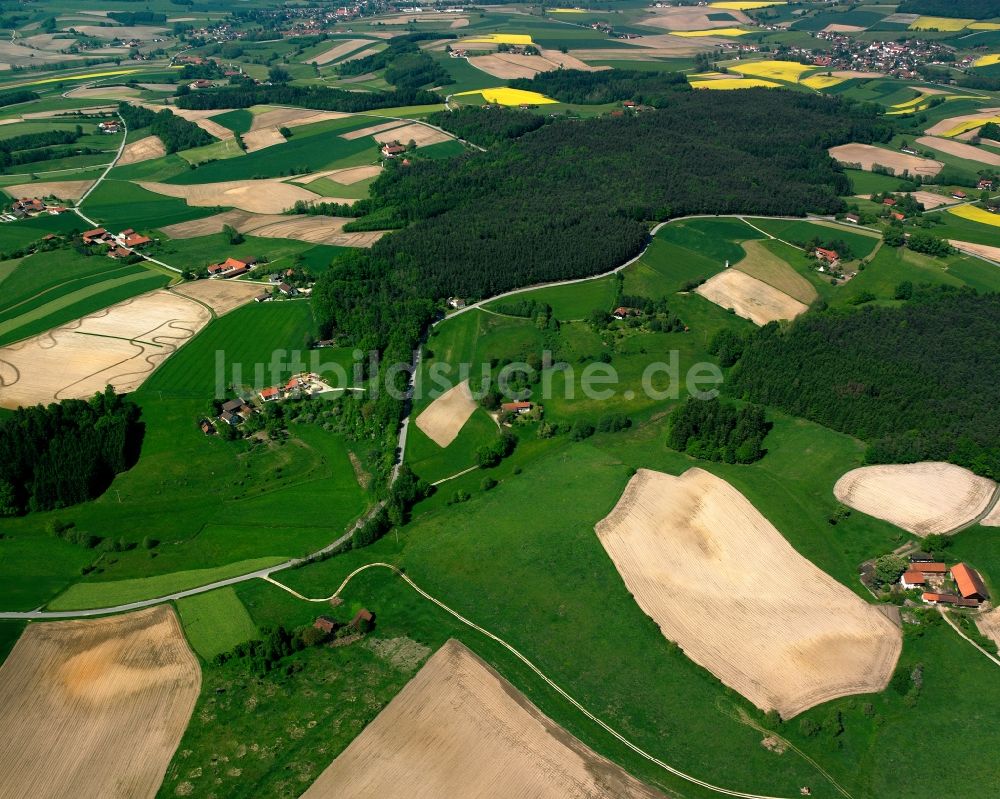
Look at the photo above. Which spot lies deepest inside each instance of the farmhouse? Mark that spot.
(119, 252)
(985, 184)
(96, 236)
(393, 149)
(623, 313)
(854, 219)
(230, 418)
(270, 394)
(133, 239)
(207, 427)
(110, 127)
(456, 302)
(897, 216)
(325, 624)
(516, 407)
(829, 256)
(231, 267)
(889, 201)
(363, 620)
(912, 579)
(232, 405)
(970, 584)
(930, 569)
(959, 195)
(288, 291)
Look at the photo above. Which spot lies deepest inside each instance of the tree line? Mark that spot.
(406, 66)
(917, 382)
(12, 98)
(606, 86)
(973, 9)
(34, 147)
(65, 453)
(175, 132)
(245, 94)
(484, 125)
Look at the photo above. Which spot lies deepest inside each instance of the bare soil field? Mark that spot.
(120, 345)
(459, 729)
(722, 582)
(291, 118)
(364, 53)
(960, 150)
(17, 55)
(373, 129)
(260, 139)
(338, 50)
(96, 707)
(142, 150)
(123, 32)
(992, 519)
(947, 124)
(222, 296)
(348, 176)
(867, 156)
(509, 65)
(63, 189)
(852, 73)
(767, 267)
(930, 199)
(103, 92)
(989, 625)
(421, 134)
(693, 18)
(444, 418)
(923, 498)
(749, 297)
(255, 196)
(314, 229)
(842, 29)
(982, 250)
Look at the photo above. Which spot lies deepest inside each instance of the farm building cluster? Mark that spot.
(27, 207)
(123, 245)
(232, 267)
(235, 412)
(340, 633)
(958, 586)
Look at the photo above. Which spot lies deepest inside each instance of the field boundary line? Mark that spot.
(958, 630)
(537, 671)
(454, 476)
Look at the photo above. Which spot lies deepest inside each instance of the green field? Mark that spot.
(119, 204)
(215, 622)
(10, 631)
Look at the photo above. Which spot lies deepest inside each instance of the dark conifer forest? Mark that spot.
(484, 125)
(606, 86)
(68, 452)
(917, 382)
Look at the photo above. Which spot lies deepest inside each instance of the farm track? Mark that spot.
(958, 630)
(537, 671)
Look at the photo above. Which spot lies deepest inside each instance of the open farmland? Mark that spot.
(960, 150)
(145, 149)
(445, 417)
(222, 296)
(722, 582)
(749, 297)
(312, 229)
(95, 708)
(956, 126)
(339, 50)
(867, 156)
(256, 196)
(764, 265)
(923, 498)
(119, 346)
(460, 729)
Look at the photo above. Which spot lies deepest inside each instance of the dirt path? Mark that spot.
(537, 671)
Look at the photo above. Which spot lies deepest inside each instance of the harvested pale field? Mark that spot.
(692, 18)
(145, 149)
(17, 55)
(461, 22)
(767, 267)
(347, 177)
(159, 87)
(371, 130)
(120, 346)
(923, 498)
(867, 156)
(992, 519)
(851, 73)
(291, 117)
(509, 65)
(103, 92)
(723, 583)
(953, 126)
(255, 196)
(422, 135)
(96, 707)
(459, 729)
(63, 189)
(339, 50)
(929, 199)
(123, 32)
(982, 250)
(960, 150)
(749, 297)
(222, 296)
(362, 54)
(568, 61)
(989, 625)
(261, 139)
(313, 229)
(843, 29)
(444, 418)
(200, 118)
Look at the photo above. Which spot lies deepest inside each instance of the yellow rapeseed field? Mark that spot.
(500, 38)
(748, 5)
(733, 83)
(976, 214)
(716, 32)
(778, 70)
(86, 76)
(506, 96)
(987, 60)
(985, 26)
(969, 124)
(939, 23)
(821, 81)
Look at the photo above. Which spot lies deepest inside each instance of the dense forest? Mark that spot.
(486, 125)
(917, 382)
(321, 98)
(175, 132)
(710, 430)
(12, 98)
(528, 211)
(56, 456)
(606, 86)
(972, 9)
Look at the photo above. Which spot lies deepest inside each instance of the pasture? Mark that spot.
(117, 693)
(215, 622)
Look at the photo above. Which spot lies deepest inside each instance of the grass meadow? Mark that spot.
(215, 622)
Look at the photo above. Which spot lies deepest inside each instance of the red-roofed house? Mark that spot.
(392, 150)
(96, 235)
(959, 195)
(970, 584)
(897, 216)
(948, 599)
(516, 407)
(830, 256)
(912, 579)
(119, 252)
(269, 394)
(889, 201)
(134, 240)
(929, 568)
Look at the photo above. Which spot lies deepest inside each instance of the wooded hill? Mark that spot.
(577, 198)
(321, 98)
(606, 86)
(918, 382)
